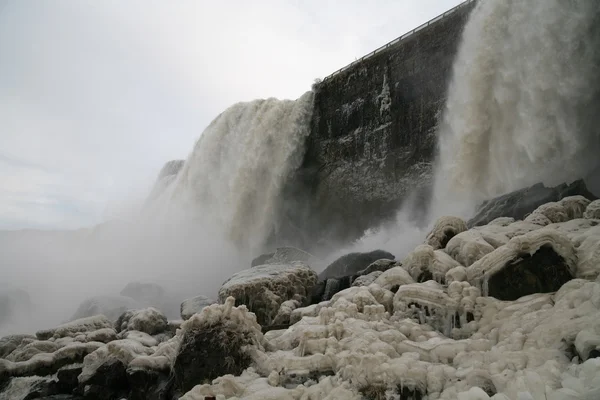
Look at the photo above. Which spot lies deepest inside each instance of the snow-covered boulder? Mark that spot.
(425, 263)
(379, 265)
(148, 320)
(351, 264)
(445, 228)
(366, 280)
(76, 327)
(12, 342)
(593, 210)
(540, 261)
(110, 306)
(216, 342)
(194, 305)
(264, 288)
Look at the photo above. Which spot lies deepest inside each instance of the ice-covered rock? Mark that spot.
(366, 280)
(540, 261)
(379, 265)
(593, 210)
(445, 228)
(285, 255)
(148, 320)
(76, 327)
(11, 342)
(264, 288)
(520, 203)
(194, 305)
(216, 342)
(110, 306)
(425, 263)
(351, 264)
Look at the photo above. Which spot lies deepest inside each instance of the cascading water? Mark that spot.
(523, 103)
(234, 176)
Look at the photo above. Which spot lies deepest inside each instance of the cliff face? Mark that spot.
(373, 131)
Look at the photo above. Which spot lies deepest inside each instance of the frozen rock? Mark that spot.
(366, 280)
(194, 305)
(11, 342)
(264, 288)
(445, 228)
(351, 264)
(379, 265)
(148, 320)
(216, 342)
(424, 263)
(593, 210)
(76, 327)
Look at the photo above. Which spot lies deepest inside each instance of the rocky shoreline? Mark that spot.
(504, 308)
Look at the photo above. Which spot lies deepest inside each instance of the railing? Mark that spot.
(406, 35)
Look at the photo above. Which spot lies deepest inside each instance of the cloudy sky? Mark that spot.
(96, 95)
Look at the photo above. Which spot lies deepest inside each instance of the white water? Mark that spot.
(235, 174)
(523, 102)
(523, 107)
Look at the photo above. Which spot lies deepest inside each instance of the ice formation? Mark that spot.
(148, 320)
(264, 288)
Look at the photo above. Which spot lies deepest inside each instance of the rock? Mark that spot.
(110, 306)
(107, 383)
(215, 343)
(263, 288)
(317, 292)
(67, 378)
(262, 259)
(285, 311)
(31, 387)
(366, 280)
(445, 228)
(351, 264)
(284, 255)
(194, 305)
(148, 320)
(76, 327)
(333, 286)
(539, 261)
(380, 265)
(146, 384)
(11, 342)
(593, 210)
(520, 203)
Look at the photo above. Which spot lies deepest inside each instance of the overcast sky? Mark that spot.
(95, 96)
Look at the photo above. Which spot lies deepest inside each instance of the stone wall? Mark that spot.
(373, 132)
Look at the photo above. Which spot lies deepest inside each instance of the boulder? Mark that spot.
(217, 342)
(264, 288)
(194, 305)
(366, 280)
(520, 203)
(284, 255)
(10, 343)
(148, 320)
(380, 265)
(351, 264)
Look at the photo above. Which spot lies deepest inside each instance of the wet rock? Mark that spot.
(520, 203)
(379, 265)
(67, 378)
(543, 272)
(351, 264)
(148, 384)
(107, 383)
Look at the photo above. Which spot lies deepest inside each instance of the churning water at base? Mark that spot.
(234, 177)
(523, 104)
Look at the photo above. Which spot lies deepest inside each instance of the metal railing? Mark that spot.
(406, 35)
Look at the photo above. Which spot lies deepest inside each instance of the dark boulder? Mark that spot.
(108, 382)
(147, 384)
(520, 203)
(351, 264)
(543, 272)
(67, 378)
(379, 265)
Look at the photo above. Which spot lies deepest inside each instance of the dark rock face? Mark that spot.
(208, 353)
(353, 263)
(109, 382)
(543, 272)
(521, 202)
(373, 134)
(148, 385)
(379, 265)
(67, 378)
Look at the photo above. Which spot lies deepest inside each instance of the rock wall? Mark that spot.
(373, 132)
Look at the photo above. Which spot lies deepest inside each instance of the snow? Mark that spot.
(74, 328)
(444, 228)
(148, 320)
